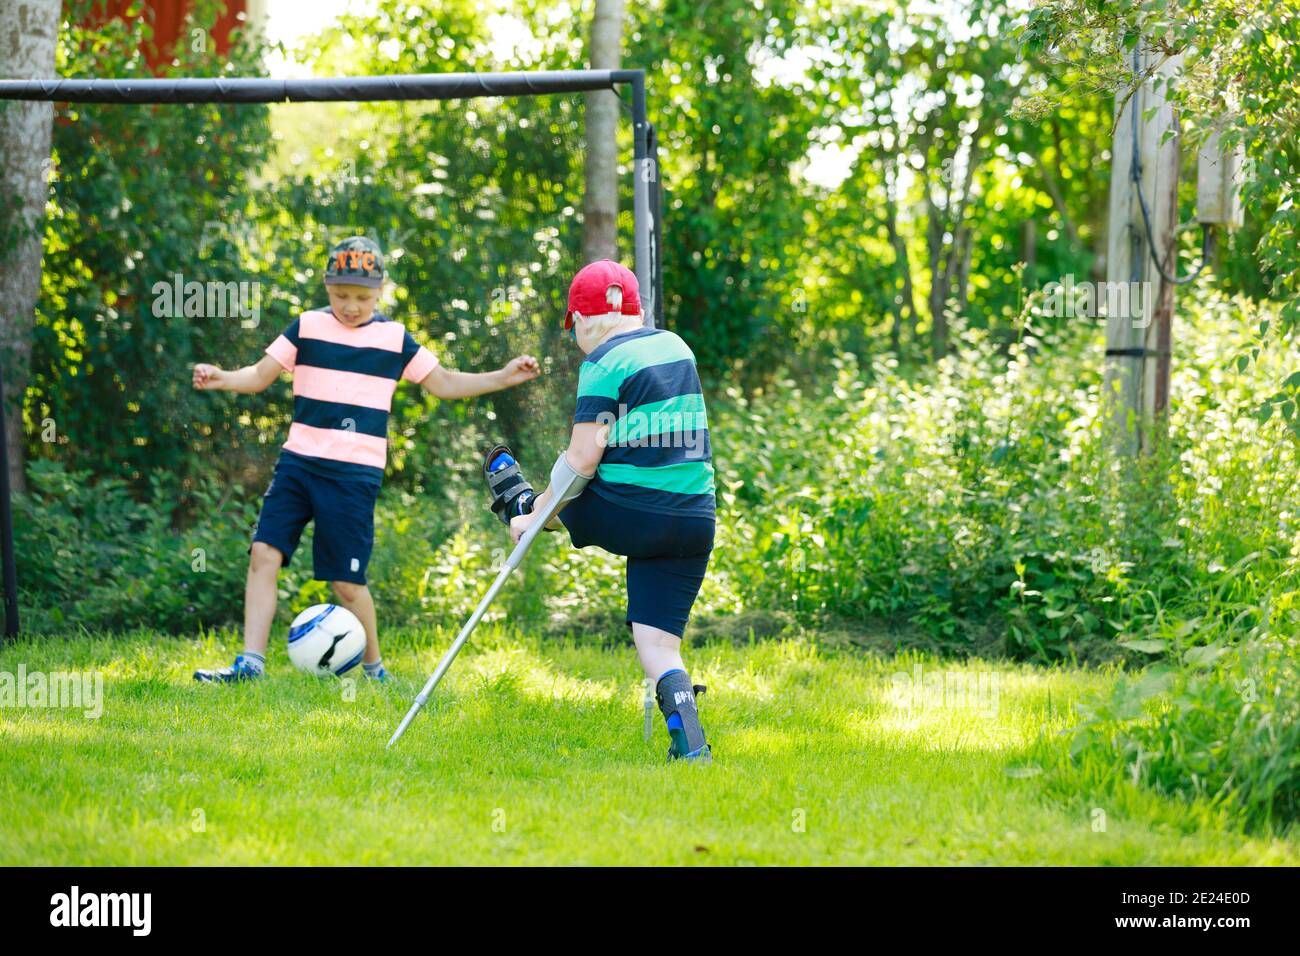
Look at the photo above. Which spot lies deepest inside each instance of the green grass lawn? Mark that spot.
(533, 752)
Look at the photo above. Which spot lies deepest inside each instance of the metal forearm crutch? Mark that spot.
(568, 487)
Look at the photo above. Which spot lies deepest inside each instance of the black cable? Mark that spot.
(1135, 174)
(627, 107)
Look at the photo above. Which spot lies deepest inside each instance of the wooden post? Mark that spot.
(1138, 303)
(600, 197)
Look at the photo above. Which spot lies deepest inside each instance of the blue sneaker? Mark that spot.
(240, 670)
(380, 675)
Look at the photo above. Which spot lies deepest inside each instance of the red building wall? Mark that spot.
(168, 20)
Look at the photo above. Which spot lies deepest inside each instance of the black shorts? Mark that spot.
(344, 512)
(667, 555)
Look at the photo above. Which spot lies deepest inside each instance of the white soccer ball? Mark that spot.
(326, 639)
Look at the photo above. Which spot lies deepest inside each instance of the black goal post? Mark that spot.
(646, 195)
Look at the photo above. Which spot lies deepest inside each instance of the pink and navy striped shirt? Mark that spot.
(343, 384)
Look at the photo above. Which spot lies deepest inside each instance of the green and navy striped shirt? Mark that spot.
(645, 386)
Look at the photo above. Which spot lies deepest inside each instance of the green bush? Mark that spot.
(1223, 732)
(90, 555)
(974, 504)
(978, 503)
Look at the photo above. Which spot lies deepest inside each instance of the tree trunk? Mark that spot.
(600, 203)
(1031, 256)
(958, 263)
(947, 258)
(907, 299)
(1058, 200)
(934, 230)
(965, 242)
(28, 32)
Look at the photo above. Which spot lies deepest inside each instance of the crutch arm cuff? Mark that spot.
(566, 481)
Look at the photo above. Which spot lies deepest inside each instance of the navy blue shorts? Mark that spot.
(344, 512)
(667, 555)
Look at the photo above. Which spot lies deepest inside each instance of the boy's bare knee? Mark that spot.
(647, 636)
(347, 590)
(264, 557)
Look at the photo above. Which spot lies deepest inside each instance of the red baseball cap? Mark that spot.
(588, 291)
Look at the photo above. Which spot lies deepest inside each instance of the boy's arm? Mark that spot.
(448, 383)
(587, 446)
(251, 378)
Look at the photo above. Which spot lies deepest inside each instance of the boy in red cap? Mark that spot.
(637, 479)
(346, 361)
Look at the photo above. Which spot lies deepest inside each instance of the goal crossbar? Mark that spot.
(410, 86)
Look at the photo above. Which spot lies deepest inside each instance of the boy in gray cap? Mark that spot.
(346, 361)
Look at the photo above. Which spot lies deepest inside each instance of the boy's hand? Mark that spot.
(208, 377)
(520, 524)
(522, 369)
